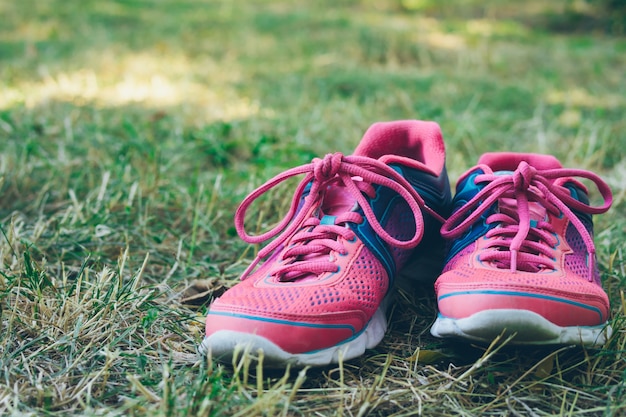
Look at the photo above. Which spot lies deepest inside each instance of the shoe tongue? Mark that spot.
(536, 211)
(337, 200)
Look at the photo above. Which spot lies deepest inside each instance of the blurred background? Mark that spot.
(497, 74)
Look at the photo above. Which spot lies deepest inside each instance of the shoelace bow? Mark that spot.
(316, 238)
(529, 243)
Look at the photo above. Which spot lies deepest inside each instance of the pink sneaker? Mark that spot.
(353, 223)
(521, 255)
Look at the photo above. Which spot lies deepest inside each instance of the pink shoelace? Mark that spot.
(312, 238)
(517, 242)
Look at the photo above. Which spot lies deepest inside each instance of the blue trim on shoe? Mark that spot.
(380, 205)
(348, 340)
(286, 322)
(466, 190)
(524, 294)
(328, 220)
(434, 190)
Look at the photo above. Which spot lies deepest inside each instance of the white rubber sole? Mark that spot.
(225, 344)
(529, 328)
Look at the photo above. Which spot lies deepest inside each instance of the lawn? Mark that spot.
(131, 129)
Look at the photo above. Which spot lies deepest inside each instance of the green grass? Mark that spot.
(130, 130)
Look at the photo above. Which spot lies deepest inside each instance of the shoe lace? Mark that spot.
(313, 236)
(518, 242)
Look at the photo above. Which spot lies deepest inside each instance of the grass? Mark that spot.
(130, 130)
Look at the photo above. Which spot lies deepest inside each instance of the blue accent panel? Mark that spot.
(525, 294)
(381, 206)
(287, 322)
(436, 193)
(465, 191)
(329, 220)
(435, 190)
(580, 195)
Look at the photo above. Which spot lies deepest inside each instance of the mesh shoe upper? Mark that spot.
(521, 238)
(353, 223)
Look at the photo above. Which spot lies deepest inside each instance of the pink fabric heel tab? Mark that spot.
(509, 161)
(414, 143)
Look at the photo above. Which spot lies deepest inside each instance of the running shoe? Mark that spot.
(521, 257)
(317, 293)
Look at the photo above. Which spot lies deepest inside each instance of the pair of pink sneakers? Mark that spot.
(515, 245)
